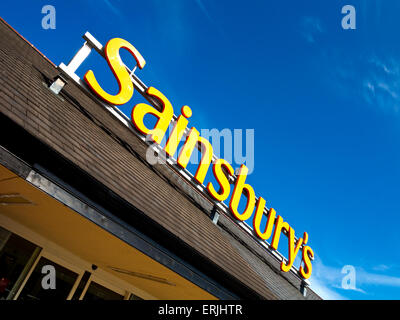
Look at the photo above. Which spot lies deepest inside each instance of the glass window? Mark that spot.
(34, 289)
(134, 297)
(15, 253)
(97, 292)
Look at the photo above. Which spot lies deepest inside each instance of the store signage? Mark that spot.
(157, 133)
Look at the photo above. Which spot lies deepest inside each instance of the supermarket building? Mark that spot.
(77, 194)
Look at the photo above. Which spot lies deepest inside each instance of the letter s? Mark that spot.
(308, 256)
(113, 58)
(219, 174)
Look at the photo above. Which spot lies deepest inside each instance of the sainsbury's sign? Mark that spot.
(274, 226)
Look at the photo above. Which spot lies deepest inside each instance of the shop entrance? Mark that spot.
(29, 272)
(42, 239)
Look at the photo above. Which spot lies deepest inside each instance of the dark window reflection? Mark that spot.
(97, 292)
(134, 297)
(15, 252)
(33, 289)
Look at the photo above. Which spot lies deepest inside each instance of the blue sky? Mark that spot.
(323, 101)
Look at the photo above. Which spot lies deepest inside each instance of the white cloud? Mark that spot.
(381, 267)
(203, 8)
(381, 84)
(112, 7)
(207, 14)
(364, 277)
(374, 80)
(327, 280)
(311, 28)
(390, 67)
(323, 290)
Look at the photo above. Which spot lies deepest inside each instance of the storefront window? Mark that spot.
(40, 285)
(134, 297)
(16, 255)
(97, 292)
(21, 279)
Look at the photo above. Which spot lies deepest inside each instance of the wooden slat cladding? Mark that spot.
(86, 134)
(285, 285)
